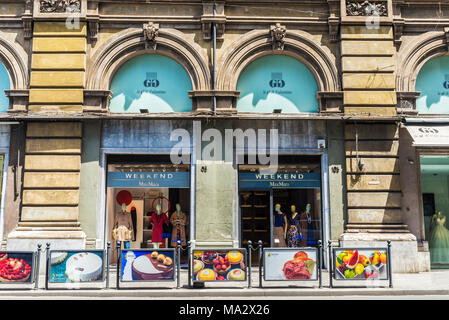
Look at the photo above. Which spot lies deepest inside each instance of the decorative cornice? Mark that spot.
(59, 6)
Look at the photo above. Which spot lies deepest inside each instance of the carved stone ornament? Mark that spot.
(366, 8)
(150, 33)
(278, 33)
(59, 6)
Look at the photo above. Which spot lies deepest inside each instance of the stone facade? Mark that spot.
(61, 63)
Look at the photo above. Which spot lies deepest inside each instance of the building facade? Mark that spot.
(98, 94)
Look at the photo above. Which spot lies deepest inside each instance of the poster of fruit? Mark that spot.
(360, 264)
(76, 266)
(290, 264)
(148, 265)
(219, 265)
(16, 267)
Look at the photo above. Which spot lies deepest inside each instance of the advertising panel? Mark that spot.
(16, 267)
(290, 264)
(219, 265)
(76, 266)
(360, 264)
(147, 265)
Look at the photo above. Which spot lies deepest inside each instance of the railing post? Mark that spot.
(37, 263)
(189, 263)
(47, 264)
(389, 264)
(250, 253)
(260, 263)
(119, 248)
(330, 263)
(108, 252)
(320, 265)
(178, 264)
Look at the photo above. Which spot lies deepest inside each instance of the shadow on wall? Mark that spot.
(151, 81)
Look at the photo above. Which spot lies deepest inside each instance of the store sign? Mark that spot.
(219, 265)
(16, 267)
(76, 266)
(147, 265)
(277, 82)
(290, 264)
(256, 180)
(360, 264)
(148, 180)
(429, 135)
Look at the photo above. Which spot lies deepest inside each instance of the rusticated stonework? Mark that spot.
(366, 8)
(59, 6)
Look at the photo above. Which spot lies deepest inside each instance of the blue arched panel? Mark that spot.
(151, 81)
(4, 85)
(433, 83)
(277, 82)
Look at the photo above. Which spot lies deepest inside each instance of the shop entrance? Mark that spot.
(282, 209)
(435, 198)
(148, 202)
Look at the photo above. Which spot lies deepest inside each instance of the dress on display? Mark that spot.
(178, 221)
(294, 235)
(439, 240)
(158, 220)
(278, 232)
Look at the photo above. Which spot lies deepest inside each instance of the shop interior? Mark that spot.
(145, 202)
(435, 196)
(301, 207)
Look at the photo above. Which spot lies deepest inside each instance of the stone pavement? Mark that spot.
(435, 283)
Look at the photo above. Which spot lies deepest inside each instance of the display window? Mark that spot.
(148, 203)
(435, 198)
(282, 209)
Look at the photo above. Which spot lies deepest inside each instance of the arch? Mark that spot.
(130, 43)
(277, 82)
(151, 81)
(297, 44)
(413, 56)
(14, 58)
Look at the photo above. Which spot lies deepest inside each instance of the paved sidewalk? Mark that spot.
(435, 283)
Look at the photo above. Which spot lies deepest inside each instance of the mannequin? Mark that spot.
(179, 221)
(294, 236)
(123, 227)
(134, 220)
(280, 227)
(158, 218)
(308, 225)
(439, 239)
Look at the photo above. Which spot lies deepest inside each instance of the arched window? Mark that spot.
(153, 82)
(277, 82)
(433, 83)
(4, 85)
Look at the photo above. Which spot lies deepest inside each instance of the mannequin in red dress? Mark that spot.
(158, 219)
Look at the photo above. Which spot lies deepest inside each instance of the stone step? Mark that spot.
(49, 224)
(44, 228)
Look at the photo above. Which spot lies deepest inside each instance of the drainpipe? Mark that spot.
(214, 40)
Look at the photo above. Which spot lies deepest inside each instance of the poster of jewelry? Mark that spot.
(360, 264)
(76, 266)
(219, 265)
(16, 267)
(148, 265)
(290, 264)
